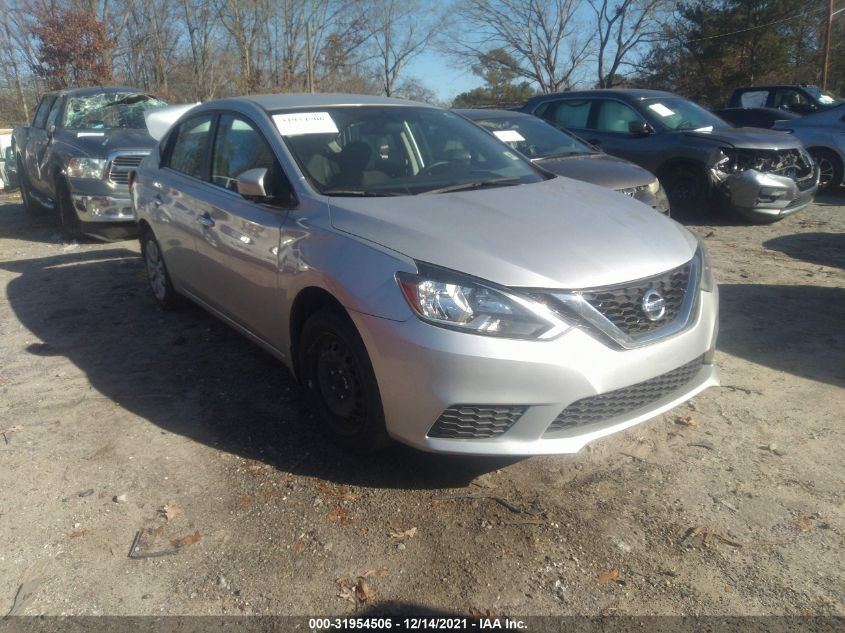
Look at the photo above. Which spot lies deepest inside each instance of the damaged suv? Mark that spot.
(764, 175)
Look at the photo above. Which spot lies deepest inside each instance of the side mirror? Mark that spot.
(251, 184)
(639, 128)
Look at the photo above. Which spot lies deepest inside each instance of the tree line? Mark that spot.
(195, 50)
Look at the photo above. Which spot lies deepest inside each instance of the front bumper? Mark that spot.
(769, 194)
(95, 208)
(423, 370)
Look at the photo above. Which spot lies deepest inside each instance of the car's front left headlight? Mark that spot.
(94, 168)
(708, 282)
(452, 300)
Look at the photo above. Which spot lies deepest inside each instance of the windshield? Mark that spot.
(675, 113)
(825, 98)
(390, 150)
(534, 137)
(108, 111)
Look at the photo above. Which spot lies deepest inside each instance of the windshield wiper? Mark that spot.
(361, 193)
(564, 155)
(478, 184)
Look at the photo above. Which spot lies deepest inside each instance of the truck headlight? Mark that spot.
(449, 299)
(87, 168)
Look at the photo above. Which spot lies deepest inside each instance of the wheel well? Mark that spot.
(825, 150)
(143, 227)
(307, 302)
(666, 169)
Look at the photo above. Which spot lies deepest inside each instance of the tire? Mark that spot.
(71, 226)
(830, 167)
(336, 372)
(686, 187)
(32, 207)
(157, 275)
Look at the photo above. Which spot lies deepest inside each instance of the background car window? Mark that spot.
(41, 113)
(239, 147)
(54, 113)
(615, 117)
(569, 113)
(190, 146)
(789, 99)
(754, 99)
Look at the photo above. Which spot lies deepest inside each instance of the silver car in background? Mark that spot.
(823, 134)
(422, 280)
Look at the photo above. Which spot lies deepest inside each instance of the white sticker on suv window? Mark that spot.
(661, 109)
(509, 136)
(82, 134)
(296, 123)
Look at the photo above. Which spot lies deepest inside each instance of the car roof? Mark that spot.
(630, 94)
(94, 90)
(489, 113)
(308, 100)
(770, 86)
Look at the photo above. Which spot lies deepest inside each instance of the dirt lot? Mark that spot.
(732, 504)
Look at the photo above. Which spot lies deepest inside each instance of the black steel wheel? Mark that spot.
(336, 371)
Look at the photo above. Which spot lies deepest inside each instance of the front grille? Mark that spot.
(609, 405)
(122, 165)
(469, 421)
(622, 305)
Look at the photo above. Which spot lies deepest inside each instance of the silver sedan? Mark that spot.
(424, 282)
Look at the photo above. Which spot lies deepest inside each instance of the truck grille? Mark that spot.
(121, 166)
(622, 305)
(467, 421)
(610, 405)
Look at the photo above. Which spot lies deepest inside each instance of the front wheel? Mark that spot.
(157, 275)
(336, 371)
(830, 169)
(686, 188)
(71, 226)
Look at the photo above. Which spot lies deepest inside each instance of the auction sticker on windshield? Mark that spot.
(296, 123)
(509, 136)
(661, 109)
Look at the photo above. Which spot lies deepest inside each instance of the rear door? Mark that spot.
(37, 142)
(179, 192)
(238, 245)
(571, 114)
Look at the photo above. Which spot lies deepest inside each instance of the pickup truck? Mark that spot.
(76, 156)
(797, 98)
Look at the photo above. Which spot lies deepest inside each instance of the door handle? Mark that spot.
(205, 220)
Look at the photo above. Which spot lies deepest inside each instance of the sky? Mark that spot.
(435, 71)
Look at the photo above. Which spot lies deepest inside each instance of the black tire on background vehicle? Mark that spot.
(830, 168)
(71, 226)
(336, 372)
(157, 275)
(686, 188)
(32, 207)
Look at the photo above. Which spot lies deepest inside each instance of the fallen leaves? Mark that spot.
(803, 523)
(78, 533)
(169, 511)
(339, 515)
(245, 502)
(358, 591)
(608, 576)
(707, 534)
(409, 533)
(188, 539)
(337, 493)
(685, 420)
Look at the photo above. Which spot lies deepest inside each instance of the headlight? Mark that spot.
(448, 299)
(708, 282)
(86, 168)
(653, 187)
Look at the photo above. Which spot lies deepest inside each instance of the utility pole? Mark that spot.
(309, 66)
(827, 34)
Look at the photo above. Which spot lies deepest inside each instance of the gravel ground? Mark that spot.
(119, 417)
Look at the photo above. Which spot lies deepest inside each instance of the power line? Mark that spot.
(762, 26)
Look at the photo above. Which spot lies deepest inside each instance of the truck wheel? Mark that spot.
(830, 169)
(336, 372)
(32, 207)
(71, 226)
(157, 276)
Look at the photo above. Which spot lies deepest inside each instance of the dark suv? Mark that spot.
(762, 174)
(800, 99)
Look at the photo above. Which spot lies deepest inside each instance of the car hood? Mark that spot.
(599, 169)
(100, 143)
(560, 233)
(747, 138)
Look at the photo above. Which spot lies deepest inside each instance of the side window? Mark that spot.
(239, 147)
(40, 118)
(754, 99)
(190, 146)
(570, 113)
(54, 112)
(615, 117)
(789, 99)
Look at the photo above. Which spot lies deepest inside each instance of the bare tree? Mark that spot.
(541, 35)
(200, 22)
(244, 20)
(622, 26)
(400, 30)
